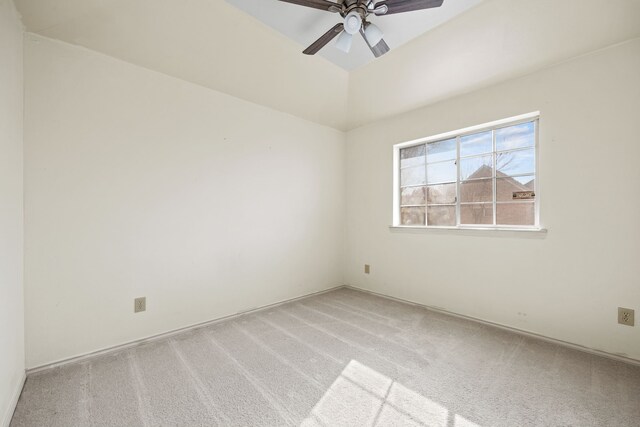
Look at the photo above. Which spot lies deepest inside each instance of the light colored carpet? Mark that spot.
(344, 358)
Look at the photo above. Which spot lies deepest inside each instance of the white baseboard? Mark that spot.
(137, 342)
(134, 343)
(529, 334)
(8, 415)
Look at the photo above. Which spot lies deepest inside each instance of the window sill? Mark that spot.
(478, 231)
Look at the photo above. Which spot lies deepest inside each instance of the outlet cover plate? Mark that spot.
(367, 269)
(139, 304)
(626, 316)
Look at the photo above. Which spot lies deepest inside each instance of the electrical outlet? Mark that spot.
(367, 269)
(139, 304)
(626, 316)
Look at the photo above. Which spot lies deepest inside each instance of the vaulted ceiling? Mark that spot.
(220, 46)
(304, 25)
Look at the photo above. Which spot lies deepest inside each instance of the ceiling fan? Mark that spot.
(354, 14)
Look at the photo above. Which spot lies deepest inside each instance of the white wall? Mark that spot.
(140, 184)
(574, 277)
(11, 212)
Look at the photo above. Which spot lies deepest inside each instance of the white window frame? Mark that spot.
(498, 124)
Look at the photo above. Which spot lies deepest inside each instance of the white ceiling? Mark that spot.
(304, 25)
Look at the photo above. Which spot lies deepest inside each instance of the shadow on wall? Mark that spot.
(362, 396)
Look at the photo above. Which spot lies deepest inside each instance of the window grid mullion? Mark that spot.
(536, 183)
(426, 187)
(495, 183)
(458, 214)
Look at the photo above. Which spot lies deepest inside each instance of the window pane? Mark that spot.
(412, 176)
(507, 186)
(441, 215)
(476, 191)
(441, 194)
(476, 167)
(442, 172)
(516, 162)
(412, 196)
(481, 213)
(412, 216)
(441, 150)
(518, 136)
(516, 213)
(412, 156)
(484, 179)
(478, 143)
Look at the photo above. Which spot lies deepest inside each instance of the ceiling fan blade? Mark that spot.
(329, 6)
(324, 39)
(378, 50)
(400, 6)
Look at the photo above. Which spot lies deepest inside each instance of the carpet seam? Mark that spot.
(274, 401)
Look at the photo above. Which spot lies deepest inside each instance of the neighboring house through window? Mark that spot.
(479, 177)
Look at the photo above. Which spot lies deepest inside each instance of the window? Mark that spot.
(479, 177)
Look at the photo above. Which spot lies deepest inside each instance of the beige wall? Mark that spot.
(566, 284)
(140, 184)
(11, 212)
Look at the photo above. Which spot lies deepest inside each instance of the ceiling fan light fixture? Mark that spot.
(344, 42)
(373, 34)
(352, 23)
(354, 14)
